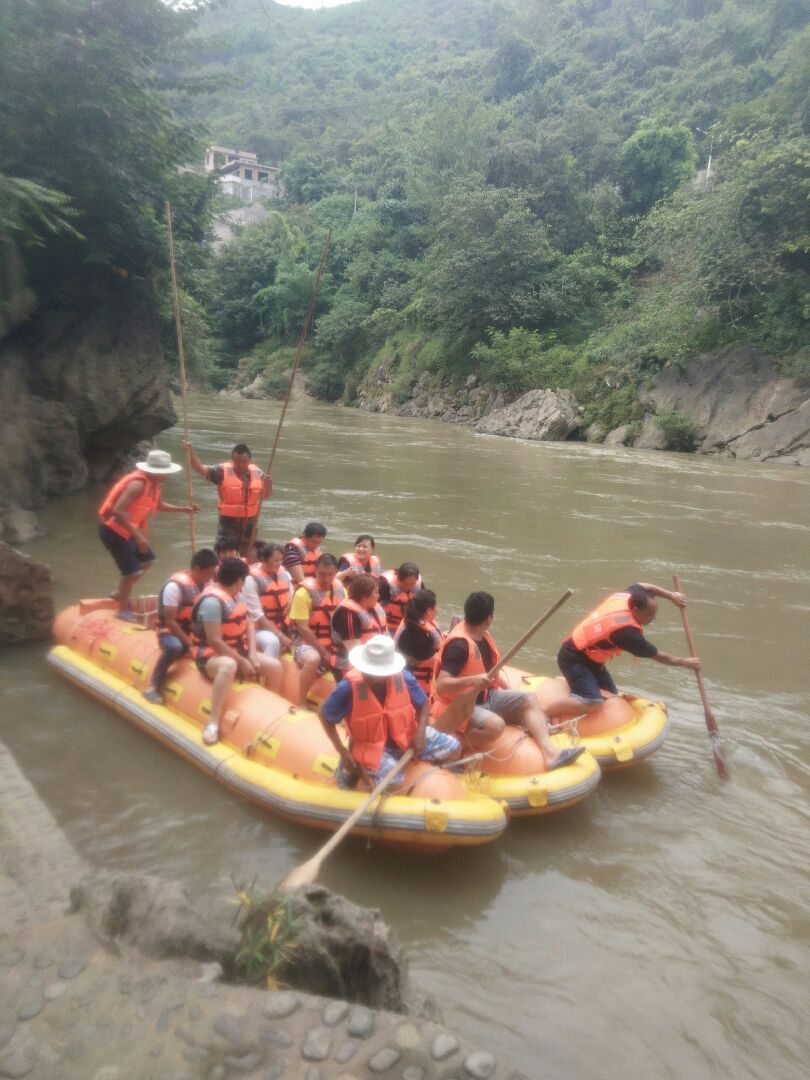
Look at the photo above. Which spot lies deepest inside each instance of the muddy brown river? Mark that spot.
(661, 928)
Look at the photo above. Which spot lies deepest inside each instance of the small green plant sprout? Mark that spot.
(269, 936)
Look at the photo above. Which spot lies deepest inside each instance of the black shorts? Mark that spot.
(235, 532)
(124, 550)
(585, 677)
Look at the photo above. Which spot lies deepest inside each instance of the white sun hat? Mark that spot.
(158, 463)
(377, 657)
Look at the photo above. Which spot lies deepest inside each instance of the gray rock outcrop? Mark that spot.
(539, 415)
(26, 600)
(741, 405)
(651, 437)
(82, 381)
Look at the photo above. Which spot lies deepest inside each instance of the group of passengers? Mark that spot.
(401, 681)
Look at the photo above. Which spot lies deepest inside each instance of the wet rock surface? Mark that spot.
(26, 599)
(538, 415)
(80, 998)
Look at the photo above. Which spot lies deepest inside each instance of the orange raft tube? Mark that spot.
(271, 752)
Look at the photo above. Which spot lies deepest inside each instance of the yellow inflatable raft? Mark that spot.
(271, 752)
(624, 731)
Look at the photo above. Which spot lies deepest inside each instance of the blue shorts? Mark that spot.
(124, 550)
(585, 677)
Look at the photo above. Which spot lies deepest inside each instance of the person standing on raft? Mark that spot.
(125, 513)
(225, 643)
(462, 662)
(386, 712)
(241, 486)
(176, 600)
(615, 626)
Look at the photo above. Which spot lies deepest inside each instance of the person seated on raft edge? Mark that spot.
(419, 636)
(268, 594)
(302, 552)
(241, 486)
(176, 599)
(464, 657)
(396, 589)
(360, 561)
(225, 643)
(124, 528)
(615, 626)
(313, 605)
(386, 712)
(357, 619)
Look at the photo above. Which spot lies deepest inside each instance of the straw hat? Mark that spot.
(158, 463)
(377, 657)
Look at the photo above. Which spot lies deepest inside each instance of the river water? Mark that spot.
(658, 930)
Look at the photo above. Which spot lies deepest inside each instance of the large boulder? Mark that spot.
(25, 598)
(82, 380)
(651, 437)
(539, 415)
(740, 404)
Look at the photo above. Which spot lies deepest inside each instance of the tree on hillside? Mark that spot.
(654, 161)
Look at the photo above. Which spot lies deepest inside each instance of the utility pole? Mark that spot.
(355, 198)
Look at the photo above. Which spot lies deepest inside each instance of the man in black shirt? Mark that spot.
(615, 626)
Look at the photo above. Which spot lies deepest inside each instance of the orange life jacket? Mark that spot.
(473, 666)
(372, 620)
(371, 725)
(234, 623)
(274, 593)
(138, 510)
(354, 561)
(592, 635)
(189, 595)
(236, 498)
(422, 670)
(323, 607)
(308, 558)
(395, 607)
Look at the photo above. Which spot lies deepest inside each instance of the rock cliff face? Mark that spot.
(81, 383)
(26, 601)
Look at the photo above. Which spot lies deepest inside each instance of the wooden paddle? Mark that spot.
(307, 872)
(460, 708)
(182, 358)
(711, 722)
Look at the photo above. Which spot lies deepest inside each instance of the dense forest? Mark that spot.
(518, 189)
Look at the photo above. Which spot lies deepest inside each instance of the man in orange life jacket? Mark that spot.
(268, 593)
(386, 712)
(464, 657)
(241, 486)
(225, 643)
(176, 600)
(302, 552)
(615, 626)
(125, 513)
(396, 589)
(357, 619)
(314, 603)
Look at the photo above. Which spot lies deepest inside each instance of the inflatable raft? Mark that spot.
(622, 732)
(271, 752)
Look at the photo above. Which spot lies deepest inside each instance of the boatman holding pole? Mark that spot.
(241, 486)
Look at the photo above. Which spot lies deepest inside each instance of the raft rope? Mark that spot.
(476, 758)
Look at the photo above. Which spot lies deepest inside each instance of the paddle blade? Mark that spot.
(305, 874)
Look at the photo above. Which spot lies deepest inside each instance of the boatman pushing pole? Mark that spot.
(242, 486)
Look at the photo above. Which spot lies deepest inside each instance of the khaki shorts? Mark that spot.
(507, 704)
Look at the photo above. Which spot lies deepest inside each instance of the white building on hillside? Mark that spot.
(242, 175)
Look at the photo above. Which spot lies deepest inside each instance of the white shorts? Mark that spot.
(268, 643)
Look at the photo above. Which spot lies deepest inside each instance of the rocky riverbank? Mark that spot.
(116, 977)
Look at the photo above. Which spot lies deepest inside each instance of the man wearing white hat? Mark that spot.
(125, 513)
(386, 712)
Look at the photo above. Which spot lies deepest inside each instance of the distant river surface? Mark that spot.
(658, 930)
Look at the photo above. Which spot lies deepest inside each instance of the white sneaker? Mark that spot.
(211, 734)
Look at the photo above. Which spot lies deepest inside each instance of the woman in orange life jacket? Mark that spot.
(357, 619)
(225, 643)
(386, 712)
(360, 561)
(268, 593)
(615, 626)
(396, 589)
(419, 636)
(241, 486)
(462, 662)
(176, 601)
(302, 552)
(125, 513)
(314, 602)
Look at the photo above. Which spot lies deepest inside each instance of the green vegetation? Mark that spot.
(270, 933)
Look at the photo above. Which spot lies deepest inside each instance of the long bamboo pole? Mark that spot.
(708, 715)
(301, 344)
(182, 357)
